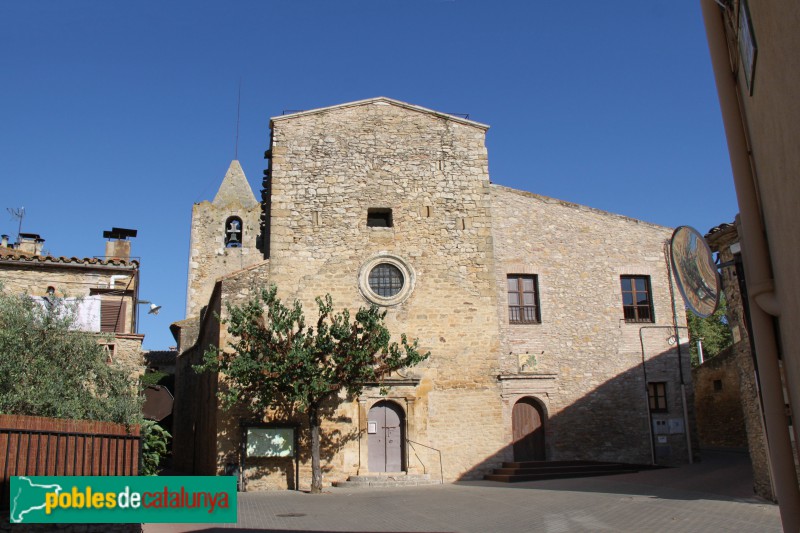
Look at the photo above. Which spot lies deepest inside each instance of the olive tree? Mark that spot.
(49, 368)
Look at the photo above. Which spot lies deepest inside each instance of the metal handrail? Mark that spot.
(441, 470)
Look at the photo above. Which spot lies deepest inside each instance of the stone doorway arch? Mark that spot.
(386, 437)
(528, 424)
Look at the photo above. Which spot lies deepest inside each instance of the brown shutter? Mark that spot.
(112, 316)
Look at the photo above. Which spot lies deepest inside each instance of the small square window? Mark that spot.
(523, 299)
(110, 350)
(717, 385)
(657, 395)
(637, 305)
(379, 217)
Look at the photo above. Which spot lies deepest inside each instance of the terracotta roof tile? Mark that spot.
(21, 257)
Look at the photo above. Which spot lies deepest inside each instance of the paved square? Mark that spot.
(713, 495)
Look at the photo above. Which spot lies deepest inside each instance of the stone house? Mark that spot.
(727, 396)
(106, 289)
(551, 325)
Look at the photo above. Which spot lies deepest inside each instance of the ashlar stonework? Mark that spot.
(384, 188)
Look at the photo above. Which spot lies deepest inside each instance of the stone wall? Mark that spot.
(195, 409)
(328, 169)
(583, 362)
(720, 240)
(720, 420)
(77, 278)
(127, 352)
(209, 258)
(455, 238)
(74, 278)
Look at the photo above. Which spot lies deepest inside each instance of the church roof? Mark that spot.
(235, 189)
(382, 100)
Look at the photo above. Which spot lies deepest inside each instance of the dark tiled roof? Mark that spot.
(23, 258)
(716, 229)
(161, 357)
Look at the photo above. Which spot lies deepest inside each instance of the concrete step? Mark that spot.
(399, 479)
(514, 478)
(534, 464)
(565, 469)
(537, 470)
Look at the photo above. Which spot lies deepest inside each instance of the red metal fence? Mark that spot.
(37, 446)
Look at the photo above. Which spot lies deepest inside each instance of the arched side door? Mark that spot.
(385, 431)
(527, 421)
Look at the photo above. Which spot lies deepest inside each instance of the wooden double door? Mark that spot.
(527, 420)
(386, 435)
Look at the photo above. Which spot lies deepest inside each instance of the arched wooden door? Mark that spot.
(527, 420)
(386, 432)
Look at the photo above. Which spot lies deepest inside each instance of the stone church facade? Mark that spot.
(551, 325)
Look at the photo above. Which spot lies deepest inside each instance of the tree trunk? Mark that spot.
(316, 469)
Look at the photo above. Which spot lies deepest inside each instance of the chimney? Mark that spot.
(37, 245)
(118, 249)
(28, 243)
(118, 246)
(5, 241)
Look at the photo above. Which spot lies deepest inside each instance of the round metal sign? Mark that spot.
(695, 271)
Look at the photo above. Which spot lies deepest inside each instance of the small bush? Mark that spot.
(155, 446)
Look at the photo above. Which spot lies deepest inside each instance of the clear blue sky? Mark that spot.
(124, 113)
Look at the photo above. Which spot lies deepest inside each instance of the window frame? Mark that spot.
(635, 307)
(380, 217)
(409, 279)
(386, 277)
(519, 309)
(655, 401)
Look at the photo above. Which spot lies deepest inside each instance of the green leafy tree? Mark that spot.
(277, 361)
(155, 446)
(714, 331)
(48, 368)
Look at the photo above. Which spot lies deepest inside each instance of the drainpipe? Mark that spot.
(684, 404)
(764, 304)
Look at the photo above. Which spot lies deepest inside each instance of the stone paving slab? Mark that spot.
(696, 498)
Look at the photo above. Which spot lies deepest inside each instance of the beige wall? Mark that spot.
(80, 278)
(328, 169)
(72, 279)
(209, 258)
(458, 236)
(772, 115)
(762, 123)
(586, 365)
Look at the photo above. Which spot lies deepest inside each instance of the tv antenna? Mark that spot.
(19, 214)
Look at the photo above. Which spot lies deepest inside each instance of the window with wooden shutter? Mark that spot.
(657, 395)
(637, 305)
(112, 316)
(523, 299)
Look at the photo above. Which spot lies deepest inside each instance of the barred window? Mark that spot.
(523, 299)
(386, 280)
